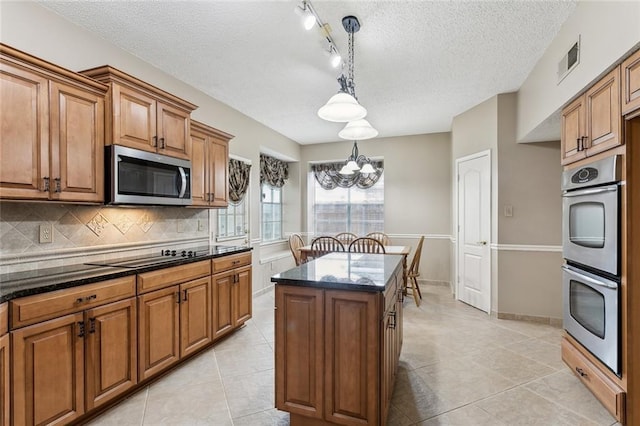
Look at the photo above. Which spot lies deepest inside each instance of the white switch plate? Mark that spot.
(46, 233)
(200, 225)
(508, 210)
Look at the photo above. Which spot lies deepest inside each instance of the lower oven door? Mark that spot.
(591, 314)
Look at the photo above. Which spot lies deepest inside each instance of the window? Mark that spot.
(271, 213)
(232, 221)
(355, 210)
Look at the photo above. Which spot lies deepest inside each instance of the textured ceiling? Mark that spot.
(417, 63)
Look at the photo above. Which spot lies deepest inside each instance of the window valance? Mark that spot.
(273, 171)
(329, 177)
(238, 179)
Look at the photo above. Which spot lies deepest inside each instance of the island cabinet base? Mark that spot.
(336, 353)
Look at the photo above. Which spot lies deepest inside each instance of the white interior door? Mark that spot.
(474, 230)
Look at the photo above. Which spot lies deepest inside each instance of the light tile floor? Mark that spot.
(458, 367)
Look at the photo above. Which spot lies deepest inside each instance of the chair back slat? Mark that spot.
(366, 245)
(325, 244)
(414, 269)
(380, 236)
(346, 237)
(295, 243)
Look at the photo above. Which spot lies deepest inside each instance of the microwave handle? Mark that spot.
(183, 178)
(589, 280)
(590, 191)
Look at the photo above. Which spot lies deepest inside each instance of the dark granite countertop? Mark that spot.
(344, 271)
(35, 281)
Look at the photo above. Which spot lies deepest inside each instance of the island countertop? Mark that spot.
(344, 271)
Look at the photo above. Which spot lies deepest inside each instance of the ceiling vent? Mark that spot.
(569, 61)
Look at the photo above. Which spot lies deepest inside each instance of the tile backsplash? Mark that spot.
(81, 226)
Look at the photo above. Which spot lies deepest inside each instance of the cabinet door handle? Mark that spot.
(155, 141)
(92, 325)
(392, 324)
(177, 297)
(162, 143)
(45, 184)
(581, 372)
(235, 262)
(185, 294)
(579, 144)
(80, 328)
(584, 139)
(58, 188)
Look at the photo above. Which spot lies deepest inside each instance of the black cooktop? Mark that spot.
(164, 256)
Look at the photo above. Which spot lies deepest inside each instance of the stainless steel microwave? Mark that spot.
(139, 177)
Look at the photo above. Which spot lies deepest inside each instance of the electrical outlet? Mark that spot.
(200, 225)
(46, 233)
(180, 226)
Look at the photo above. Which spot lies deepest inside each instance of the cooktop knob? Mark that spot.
(184, 253)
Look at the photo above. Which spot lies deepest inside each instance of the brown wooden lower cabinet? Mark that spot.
(111, 351)
(48, 371)
(158, 330)
(195, 315)
(337, 353)
(5, 402)
(232, 297)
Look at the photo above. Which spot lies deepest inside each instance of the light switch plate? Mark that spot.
(508, 210)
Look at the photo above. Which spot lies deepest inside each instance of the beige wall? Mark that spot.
(527, 177)
(607, 30)
(417, 191)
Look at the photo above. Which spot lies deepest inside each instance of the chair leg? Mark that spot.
(415, 290)
(415, 282)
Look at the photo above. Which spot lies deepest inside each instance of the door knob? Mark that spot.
(482, 243)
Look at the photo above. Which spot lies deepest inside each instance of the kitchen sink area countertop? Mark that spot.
(35, 281)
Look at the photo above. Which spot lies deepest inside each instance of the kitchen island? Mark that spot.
(338, 332)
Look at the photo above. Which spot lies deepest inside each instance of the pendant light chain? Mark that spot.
(352, 83)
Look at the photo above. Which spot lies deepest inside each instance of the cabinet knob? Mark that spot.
(581, 372)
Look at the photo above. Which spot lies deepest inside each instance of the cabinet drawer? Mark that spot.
(230, 262)
(609, 394)
(161, 278)
(41, 307)
(4, 318)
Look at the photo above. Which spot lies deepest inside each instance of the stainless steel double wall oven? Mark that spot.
(591, 248)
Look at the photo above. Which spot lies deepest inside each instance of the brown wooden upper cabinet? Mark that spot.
(631, 83)
(142, 116)
(592, 123)
(51, 131)
(210, 166)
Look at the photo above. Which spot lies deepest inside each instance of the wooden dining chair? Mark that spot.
(323, 245)
(345, 238)
(414, 272)
(366, 245)
(295, 242)
(380, 236)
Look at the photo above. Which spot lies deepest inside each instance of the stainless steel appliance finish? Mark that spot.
(591, 314)
(140, 177)
(590, 210)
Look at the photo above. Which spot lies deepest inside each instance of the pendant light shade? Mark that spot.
(352, 165)
(358, 130)
(367, 168)
(342, 107)
(345, 170)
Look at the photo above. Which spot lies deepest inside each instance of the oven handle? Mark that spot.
(588, 279)
(183, 178)
(590, 191)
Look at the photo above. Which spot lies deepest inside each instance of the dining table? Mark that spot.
(305, 255)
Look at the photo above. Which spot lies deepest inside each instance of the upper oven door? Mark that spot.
(590, 230)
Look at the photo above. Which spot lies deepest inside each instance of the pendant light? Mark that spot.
(344, 107)
(358, 130)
